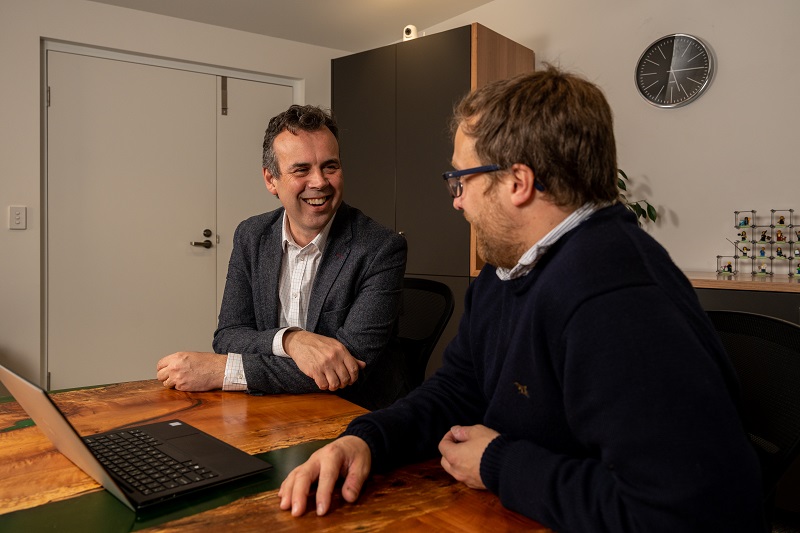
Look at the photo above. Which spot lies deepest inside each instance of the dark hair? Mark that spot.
(558, 124)
(294, 119)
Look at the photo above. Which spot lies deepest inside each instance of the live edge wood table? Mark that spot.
(40, 489)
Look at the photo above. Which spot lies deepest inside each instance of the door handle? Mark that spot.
(205, 244)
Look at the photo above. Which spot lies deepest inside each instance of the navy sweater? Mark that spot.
(615, 401)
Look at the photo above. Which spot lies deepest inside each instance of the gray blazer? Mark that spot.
(355, 298)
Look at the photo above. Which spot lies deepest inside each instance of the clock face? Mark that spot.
(674, 70)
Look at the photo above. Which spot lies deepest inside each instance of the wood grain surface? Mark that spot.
(421, 497)
(32, 472)
(39, 485)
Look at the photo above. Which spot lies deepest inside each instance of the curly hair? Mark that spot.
(294, 119)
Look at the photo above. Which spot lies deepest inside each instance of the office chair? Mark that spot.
(426, 309)
(765, 352)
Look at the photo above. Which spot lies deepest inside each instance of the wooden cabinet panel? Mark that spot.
(433, 74)
(363, 96)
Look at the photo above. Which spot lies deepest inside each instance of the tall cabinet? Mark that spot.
(394, 105)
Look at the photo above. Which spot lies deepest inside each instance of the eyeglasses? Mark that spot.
(453, 178)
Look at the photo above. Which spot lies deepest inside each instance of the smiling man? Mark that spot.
(313, 288)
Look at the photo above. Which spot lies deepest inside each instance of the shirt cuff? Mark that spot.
(234, 379)
(277, 342)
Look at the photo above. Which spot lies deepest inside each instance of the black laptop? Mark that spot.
(142, 465)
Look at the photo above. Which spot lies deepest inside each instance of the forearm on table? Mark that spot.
(272, 374)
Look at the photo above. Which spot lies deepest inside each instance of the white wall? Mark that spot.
(736, 148)
(23, 24)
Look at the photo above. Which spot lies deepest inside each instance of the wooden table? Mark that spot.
(39, 487)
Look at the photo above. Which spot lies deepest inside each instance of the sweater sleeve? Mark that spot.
(411, 428)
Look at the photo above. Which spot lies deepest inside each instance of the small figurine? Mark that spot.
(744, 251)
(781, 220)
(745, 221)
(728, 267)
(779, 236)
(762, 252)
(743, 235)
(779, 252)
(764, 236)
(797, 253)
(798, 269)
(797, 232)
(763, 268)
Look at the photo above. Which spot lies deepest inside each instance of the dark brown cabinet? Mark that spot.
(394, 105)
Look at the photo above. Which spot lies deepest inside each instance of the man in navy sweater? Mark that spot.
(585, 387)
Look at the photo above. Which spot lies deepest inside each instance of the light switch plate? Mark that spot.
(17, 217)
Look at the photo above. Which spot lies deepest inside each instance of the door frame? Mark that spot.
(298, 97)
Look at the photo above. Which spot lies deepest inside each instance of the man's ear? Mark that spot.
(269, 181)
(522, 184)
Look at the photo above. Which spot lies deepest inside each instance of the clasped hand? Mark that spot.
(462, 449)
(323, 359)
(192, 371)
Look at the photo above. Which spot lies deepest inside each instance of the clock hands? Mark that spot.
(676, 82)
(682, 69)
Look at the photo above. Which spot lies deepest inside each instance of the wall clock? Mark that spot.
(675, 70)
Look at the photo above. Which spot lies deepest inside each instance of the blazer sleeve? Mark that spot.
(241, 323)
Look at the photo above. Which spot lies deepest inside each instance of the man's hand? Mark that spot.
(346, 456)
(462, 449)
(192, 371)
(323, 359)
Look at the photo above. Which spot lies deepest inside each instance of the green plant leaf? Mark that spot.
(651, 212)
(648, 212)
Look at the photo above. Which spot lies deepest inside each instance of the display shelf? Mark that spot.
(766, 246)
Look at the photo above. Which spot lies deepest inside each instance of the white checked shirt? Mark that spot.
(298, 271)
(532, 256)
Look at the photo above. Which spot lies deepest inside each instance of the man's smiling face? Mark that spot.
(310, 186)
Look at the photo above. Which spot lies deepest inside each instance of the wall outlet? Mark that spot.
(17, 217)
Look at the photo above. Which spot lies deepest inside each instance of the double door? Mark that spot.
(148, 174)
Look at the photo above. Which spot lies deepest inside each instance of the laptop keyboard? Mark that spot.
(132, 456)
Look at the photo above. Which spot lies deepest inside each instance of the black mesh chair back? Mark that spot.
(426, 309)
(765, 352)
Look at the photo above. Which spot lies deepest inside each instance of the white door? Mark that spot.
(132, 180)
(241, 191)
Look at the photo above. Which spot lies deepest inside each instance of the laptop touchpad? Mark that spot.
(198, 445)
